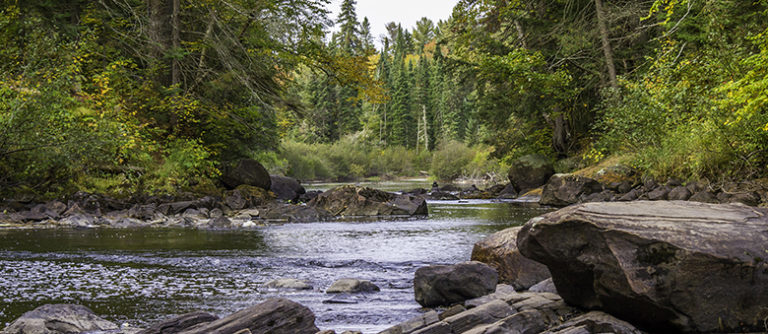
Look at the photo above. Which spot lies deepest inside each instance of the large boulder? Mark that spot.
(246, 172)
(274, 316)
(59, 319)
(359, 201)
(666, 266)
(445, 285)
(247, 197)
(499, 250)
(530, 172)
(567, 189)
(180, 323)
(286, 188)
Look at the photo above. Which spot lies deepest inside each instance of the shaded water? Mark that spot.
(142, 276)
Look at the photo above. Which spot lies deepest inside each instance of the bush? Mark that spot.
(449, 162)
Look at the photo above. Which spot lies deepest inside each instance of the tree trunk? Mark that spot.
(176, 42)
(601, 22)
(160, 33)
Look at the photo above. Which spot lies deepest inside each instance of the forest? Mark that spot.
(154, 96)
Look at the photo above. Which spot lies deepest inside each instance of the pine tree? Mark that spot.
(365, 36)
(349, 33)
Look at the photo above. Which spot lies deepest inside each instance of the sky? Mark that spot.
(406, 12)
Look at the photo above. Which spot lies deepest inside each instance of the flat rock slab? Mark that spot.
(180, 323)
(275, 316)
(666, 266)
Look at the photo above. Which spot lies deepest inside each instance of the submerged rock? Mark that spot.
(351, 285)
(444, 285)
(59, 319)
(666, 266)
(288, 283)
(359, 201)
(499, 250)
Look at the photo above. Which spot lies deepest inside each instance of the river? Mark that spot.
(140, 276)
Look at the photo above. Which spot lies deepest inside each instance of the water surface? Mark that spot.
(140, 276)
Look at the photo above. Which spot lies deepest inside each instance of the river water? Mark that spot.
(140, 276)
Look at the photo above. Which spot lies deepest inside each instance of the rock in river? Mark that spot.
(444, 285)
(665, 266)
(180, 323)
(274, 316)
(567, 189)
(288, 283)
(499, 250)
(246, 172)
(286, 188)
(350, 285)
(529, 172)
(58, 319)
(360, 201)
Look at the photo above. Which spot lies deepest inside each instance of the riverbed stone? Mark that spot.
(274, 316)
(286, 188)
(503, 292)
(664, 266)
(704, 196)
(180, 323)
(353, 201)
(351, 285)
(481, 315)
(659, 194)
(288, 283)
(447, 284)
(525, 322)
(245, 172)
(594, 322)
(499, 250)
(59, 319)
(679, 193)
(530, 172)
(567, 189)
(414, 324)
(546, 285)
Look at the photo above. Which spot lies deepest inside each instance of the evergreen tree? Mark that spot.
(365, 36)
(349, 32)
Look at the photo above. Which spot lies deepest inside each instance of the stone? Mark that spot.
(352, 201)
(351, 285)
(451, 311)
(309, 195)
(679, 193)
(508, 192)
(286, 188)
(180, 323)
(704, 196)
(525, 322)
(664, 266)
(481, 315)
(499, 250)
(530, 172)
(294, 213)
(246, 197)
(246, 172)
(445, 285)
(503, 292)
(567, 189)
(631, 195)
(659, 194)
(746, 198)
(288, 283)
(441, 196)
(595, 322)
(144, 212)
(546, 285)
(414, 324)
(274, 316)
(59, 319)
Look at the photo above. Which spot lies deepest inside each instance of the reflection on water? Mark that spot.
(141, 276)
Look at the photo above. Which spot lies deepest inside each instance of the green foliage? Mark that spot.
(450, 160)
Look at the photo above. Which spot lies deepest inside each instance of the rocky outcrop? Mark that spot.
(246, 172)
(446, 285)
(286, 188)
(180, 323)
(530, 172)
(507, 311)
(499, 250)
(59, 319)
(351, 285)
(666, 266)
(275, 316)
(246, 196)
(351, 201)
(567, 189)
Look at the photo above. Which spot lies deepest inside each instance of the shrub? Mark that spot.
(450, 160)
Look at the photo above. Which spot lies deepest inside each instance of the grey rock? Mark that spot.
(246, 172)
(679, 194)
(414, 324)
(567, 189)
(441, 196)
(632, 195)
(499, 250)
(665, 266)
(530, 172)
(59, 319)
(503, 292)
(746, 198)
(354, 201)
(659, 194)
(525, 322)
(288, 283)
(703, 196)
(351, 285)
(445, 285)
(286, 188)
(274, 316)
(481, 315)
(595, 322)
(546, 285)
(180, 323)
